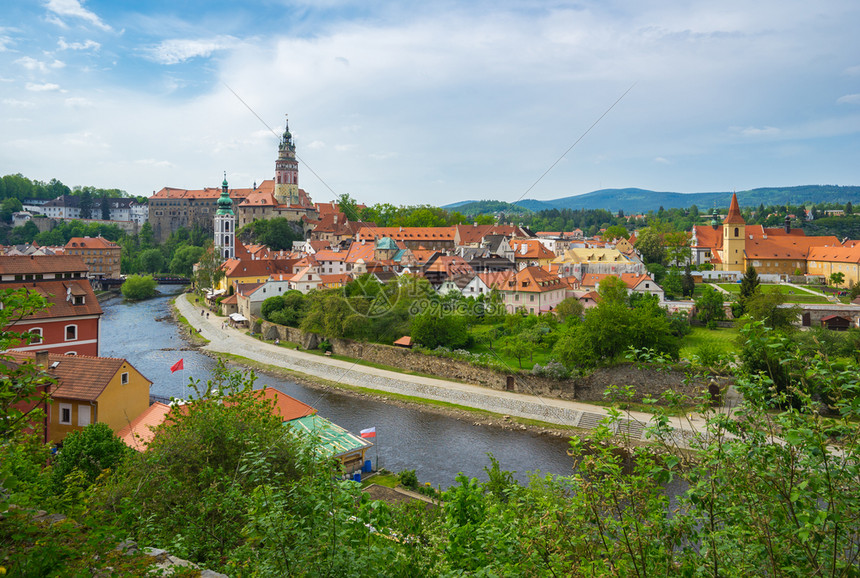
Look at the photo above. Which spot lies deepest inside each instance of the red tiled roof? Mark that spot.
(24, 264)
(534, 250)
(734, 217)
(786, 247)
(288, 408)
(55, 293)
(841, 254)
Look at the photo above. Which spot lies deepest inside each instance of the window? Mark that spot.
(36, 336)
(83, 415)
(71, 332)
(66, 414)
(124, 378)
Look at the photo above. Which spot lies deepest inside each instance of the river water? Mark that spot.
(437, 447)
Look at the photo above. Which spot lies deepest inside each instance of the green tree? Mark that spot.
(709, 306)
(150, 261)
(570, 307)
(434, 330)
(770, 309)
(688, 285)
(86, 204)
(92, 450)
(209, 272)
(673, 284)
(9, 206)
(837, 278)
(613, 289)
(184, 259)
(649, 243)
(277, 234)
(615, 232)
(749, 288)
(104, 204)
(137, 287)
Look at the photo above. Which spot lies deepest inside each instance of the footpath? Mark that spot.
(225, 339)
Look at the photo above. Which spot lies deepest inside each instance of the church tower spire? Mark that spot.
(287, 170)
(734, 238)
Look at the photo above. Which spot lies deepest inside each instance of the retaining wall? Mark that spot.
(645, 381)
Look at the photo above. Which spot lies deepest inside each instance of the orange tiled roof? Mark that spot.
(252, 268)
(840, 254)
(90, 243)
(139, 433)
(495, 279)
(205, 193)
(360, 251)
(533, 280)
(534, 250)
(786, 247)
(286, 407)
(407, 233)
(79, 376)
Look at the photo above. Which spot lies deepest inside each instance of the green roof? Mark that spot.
(334, 440)
(386, 243)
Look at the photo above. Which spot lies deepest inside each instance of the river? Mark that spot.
(436, 446)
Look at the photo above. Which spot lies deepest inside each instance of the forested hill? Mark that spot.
(640, 200)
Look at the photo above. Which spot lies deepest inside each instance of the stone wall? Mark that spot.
(644, 381)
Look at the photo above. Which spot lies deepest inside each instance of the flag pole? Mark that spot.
(377, 452)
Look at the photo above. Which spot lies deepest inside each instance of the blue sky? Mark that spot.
(433, 102)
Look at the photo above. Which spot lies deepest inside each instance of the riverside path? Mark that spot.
(550, 410)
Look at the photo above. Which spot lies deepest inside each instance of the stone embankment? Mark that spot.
(644, 381)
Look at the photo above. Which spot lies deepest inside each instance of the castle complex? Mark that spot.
(172, 208)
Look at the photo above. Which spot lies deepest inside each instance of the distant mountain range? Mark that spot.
(641, 200)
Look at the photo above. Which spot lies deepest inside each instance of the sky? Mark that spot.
(433, 102)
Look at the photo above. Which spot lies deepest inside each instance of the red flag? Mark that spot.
(176, 366)
(368, 433)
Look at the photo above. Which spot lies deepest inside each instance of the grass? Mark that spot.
(722, 340)
(792, 295)
(483, 337)
(386, 479)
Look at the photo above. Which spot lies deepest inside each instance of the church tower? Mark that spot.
(225, 224)
(287, 170)
(734, 238)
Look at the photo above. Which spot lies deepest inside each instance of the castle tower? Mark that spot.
(287, 170)
(225, 224)
(734, 238)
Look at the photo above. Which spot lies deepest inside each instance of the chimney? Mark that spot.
(42, 358)
(787, 224)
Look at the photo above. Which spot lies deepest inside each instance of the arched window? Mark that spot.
(36, 336)
(71, 332)
(737, 231)
(226, 253)
(227, 226)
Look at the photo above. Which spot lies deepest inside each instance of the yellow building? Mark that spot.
(89, 390)
(825, 261)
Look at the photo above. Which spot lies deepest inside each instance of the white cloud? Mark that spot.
(74, 9)
(316, 145)
(849, 99)
(344, 147)
(78, 102)
(46, 87)
(87, 45)
(755, 131)
(180, 50)
(662, 161)
(37, 65)
(154, 163)
(5, 41)
(18, 103)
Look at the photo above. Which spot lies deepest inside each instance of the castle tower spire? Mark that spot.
(734, 238)
(287, 170)
(225, 223)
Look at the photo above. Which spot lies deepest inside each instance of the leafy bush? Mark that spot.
(324, 345)
(552, 370)
(92, 450)
(409, 479)
(137, 287)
